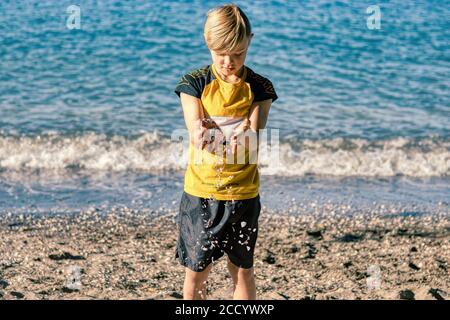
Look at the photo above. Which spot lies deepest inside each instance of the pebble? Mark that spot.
(65, 256)
(68, 290)
(407, 295)
(269, 258)
(18, 295)
(436, 293)
(413, 266)
(176, 295)
(3, 284)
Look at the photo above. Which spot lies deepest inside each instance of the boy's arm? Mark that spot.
(192, 110)
(193, 115)
(259, 113)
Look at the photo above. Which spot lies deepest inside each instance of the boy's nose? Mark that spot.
(227, 60)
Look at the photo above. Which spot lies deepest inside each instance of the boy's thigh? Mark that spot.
(201, 224)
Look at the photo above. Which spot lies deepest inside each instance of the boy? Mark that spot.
(220, 204)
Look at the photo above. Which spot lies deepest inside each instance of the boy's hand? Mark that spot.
(208, 134)
(234, 140)
(209, 124)
(213, 136)
(204, 133)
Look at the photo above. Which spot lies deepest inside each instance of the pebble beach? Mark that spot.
(129, 254)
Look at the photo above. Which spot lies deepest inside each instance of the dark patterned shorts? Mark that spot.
(209, 228)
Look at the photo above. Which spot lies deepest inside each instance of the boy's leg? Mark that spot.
(195, 284)
(244, 282)
(241, 238)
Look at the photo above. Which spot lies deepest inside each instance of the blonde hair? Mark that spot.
(226, 28)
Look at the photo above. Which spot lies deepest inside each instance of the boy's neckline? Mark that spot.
(241, 80)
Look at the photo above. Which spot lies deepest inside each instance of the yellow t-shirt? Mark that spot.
(225, 103)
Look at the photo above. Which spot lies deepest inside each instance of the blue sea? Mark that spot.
(87, 114)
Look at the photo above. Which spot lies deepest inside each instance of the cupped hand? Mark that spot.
(205, 132)
(234, 140)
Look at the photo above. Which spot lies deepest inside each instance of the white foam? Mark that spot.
(358, 157)
(147, 152)
(150, 152)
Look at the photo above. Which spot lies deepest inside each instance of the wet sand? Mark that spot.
(127, 254)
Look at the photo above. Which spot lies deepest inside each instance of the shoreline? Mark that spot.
(128, 254)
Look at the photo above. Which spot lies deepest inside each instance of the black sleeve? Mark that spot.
(188, 85)
(264, 89)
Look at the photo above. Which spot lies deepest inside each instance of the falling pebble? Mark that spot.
(241, 235)
(243, 224)
(248, 248)
(254, 230)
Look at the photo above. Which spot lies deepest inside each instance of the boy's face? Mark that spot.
(229, 63)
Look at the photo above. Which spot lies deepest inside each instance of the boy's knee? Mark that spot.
(199, 278)
(245, 273)
(242, 272)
